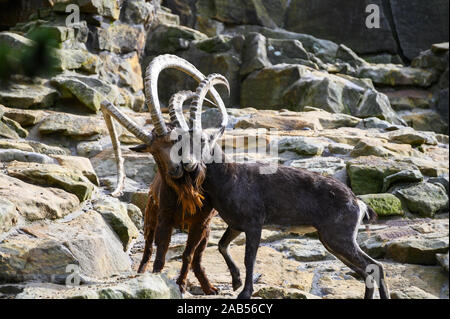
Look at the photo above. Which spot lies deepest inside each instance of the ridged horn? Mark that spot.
(159, 64)
(129, 124)
(176, 108)
(204, 87)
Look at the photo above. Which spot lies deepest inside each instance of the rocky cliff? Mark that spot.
(368, 108)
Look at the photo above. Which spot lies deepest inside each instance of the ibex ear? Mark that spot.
(143, 148)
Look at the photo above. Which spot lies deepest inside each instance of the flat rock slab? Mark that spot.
(24, 96)
(54, 176)
(35, 202)
(42, 252)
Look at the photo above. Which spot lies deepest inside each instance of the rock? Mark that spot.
(346, 54)
(412, 293)
(379, 148)
(89, 91)
(397, 75)
(10, 155)
(322, 49)
(7, 132)
(367, 173)
(75, 126)
(79, 164)
(15, 41)
(419, 25)
(301, 146)
(123, 70)
(85, 242)
(297, 86)
(89, 149)
(417, 251)
(23, 117)
(137, 12)
(171, 38)
(136, 216)
(407, 176)
(440, 47)
(108, 8)
(409, 99)
(254, 54)
(287, 51)
(116, 215)
(265, 13)
(54, 176)
(340, 148)
(374, 104)
(327, 166)
(303, 250)
(139, 168)
(384, 205)
(425, 120)
(443, 260)
(36, 203)
(14, 127)
(345, 25)
(146, 286)
(278, 122)
(279, 293)
(412, 137)
(374, 122)
(8, 215)
(25, 96)
(425, 199)
(70, 59)
(443, 180)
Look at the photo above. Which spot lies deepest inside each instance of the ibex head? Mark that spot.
(176, 147)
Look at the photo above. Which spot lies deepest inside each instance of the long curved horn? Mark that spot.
(125, 121)
(169, 61)
(204, 87)
(176, 108)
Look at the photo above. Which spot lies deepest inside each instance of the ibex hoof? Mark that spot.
(237, 284)
(211, 291)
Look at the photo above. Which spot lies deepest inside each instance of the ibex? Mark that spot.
(174, 194)
(248, 200)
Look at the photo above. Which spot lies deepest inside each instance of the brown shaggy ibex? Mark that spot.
(248, 200)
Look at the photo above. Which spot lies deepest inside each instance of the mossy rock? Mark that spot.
(384, 205)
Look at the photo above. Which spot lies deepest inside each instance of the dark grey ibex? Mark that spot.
(248, 200)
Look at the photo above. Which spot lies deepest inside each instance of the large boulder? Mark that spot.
(146, 286)
(384, 205)
(419, 24)
(267, 13)
(74, 126)
(106, 8)
(53, 175)
(89, 91)
(35, 202)
(43, 252)
(297, 86)
(425, 199)
(116, 214)
(367, 174)
(346, 25)
(25, 96)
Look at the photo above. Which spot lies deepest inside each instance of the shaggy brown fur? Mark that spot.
(182, 208)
